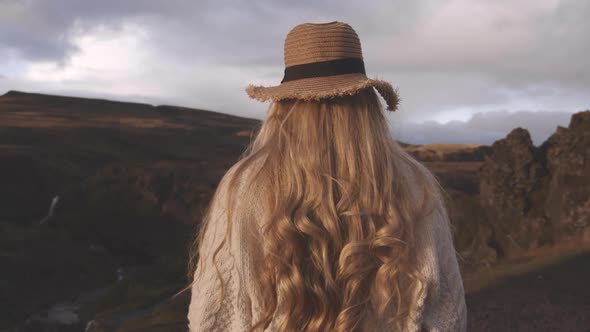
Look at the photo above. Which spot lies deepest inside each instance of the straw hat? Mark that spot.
(323, 60)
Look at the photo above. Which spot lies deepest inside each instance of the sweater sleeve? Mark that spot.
(444, 307)
(206, 312)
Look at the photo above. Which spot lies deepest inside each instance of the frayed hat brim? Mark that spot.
(317, 88)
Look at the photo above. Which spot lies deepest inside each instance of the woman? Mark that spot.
(325, 223)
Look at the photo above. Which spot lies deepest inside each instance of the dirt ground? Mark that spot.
(555, 298)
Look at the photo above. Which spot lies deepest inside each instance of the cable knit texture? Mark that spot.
(441, 307)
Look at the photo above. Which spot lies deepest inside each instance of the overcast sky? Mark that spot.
(467, 70)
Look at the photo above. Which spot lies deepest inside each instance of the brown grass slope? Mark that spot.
(132, 180)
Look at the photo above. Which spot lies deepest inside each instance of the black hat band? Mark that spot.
(324, 68)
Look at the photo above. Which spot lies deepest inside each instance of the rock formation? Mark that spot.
(567, 202)
(536, 196)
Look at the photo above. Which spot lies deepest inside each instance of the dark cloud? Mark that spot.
(42, 30)
(253, 31)
(248, 32)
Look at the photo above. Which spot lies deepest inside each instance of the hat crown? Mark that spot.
(323, 60)
(316, 42)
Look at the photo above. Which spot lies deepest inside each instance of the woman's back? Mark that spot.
(325, 223)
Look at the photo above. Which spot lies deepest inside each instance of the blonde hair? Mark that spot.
(342, 199)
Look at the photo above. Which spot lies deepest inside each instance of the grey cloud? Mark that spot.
(247, 32)
(549, 47)
(252, 32)
(469, 71)
(42, 30)
(482, 128)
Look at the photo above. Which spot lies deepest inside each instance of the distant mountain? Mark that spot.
(449, 152)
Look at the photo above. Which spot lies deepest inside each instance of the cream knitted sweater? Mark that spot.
(440, 308)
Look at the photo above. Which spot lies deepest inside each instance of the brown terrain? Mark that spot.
(129, 183)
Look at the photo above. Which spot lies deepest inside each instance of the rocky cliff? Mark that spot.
(532, 197)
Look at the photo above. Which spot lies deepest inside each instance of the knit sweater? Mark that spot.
(438, 309)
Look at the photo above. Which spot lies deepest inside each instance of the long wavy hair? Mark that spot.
(342, 199)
